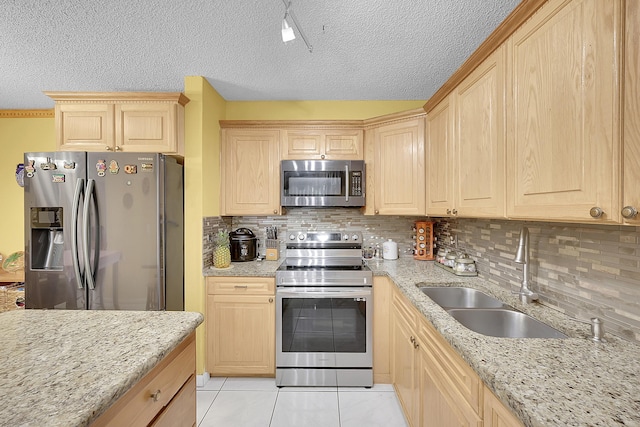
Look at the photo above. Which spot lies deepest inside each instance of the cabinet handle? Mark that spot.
(240, 286)
(118, 148)
(412, 339)
(270, 299)
(596, 212)
(108, 148)
(416, 345)
(448, 211)
(455, 211)
(275, 211)
(629, 212)
(376, 212)
(322, 156)
(155, 396)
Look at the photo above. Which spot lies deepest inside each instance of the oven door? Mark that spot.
(324, 327)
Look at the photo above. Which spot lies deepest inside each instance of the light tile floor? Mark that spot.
(257, 402)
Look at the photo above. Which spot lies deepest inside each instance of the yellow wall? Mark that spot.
(202, 191)
(17, 136)
(315, 110)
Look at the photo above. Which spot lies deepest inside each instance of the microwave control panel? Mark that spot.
(356, 183)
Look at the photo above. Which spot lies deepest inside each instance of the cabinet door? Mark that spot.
(440, 155)
(84, 127)
(382, 291)
(241, 335)
(148, 127)
(250, 172)
(399, 168)
(403, 359)
(631, 195)
(563, 148)
(480, 140)
(496, 414)
(302, 145)
(439, 405)
(344, 145)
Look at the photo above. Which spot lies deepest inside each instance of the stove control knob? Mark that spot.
(345, 237)
(354, 237)
(301, 236)
(292, 237)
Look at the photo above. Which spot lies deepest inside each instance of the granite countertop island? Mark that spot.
(66, 367)
(545, 382)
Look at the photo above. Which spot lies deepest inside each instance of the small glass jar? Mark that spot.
(464, 264)
(450, 260)
(441, 255)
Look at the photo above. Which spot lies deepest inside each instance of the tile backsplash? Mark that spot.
(582, 270)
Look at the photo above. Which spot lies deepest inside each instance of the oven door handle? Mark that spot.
(324, 293)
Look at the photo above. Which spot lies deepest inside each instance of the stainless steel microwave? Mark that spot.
(322, 183)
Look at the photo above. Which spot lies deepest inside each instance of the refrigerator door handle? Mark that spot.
(75, 255)
(89, 274)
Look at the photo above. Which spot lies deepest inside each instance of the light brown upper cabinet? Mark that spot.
(631, 166)
(250, 172)
(466, 146)
(479, 148)
(563, 141)
(310, 144)
(394, 156)
(120, 121)
(440, 155)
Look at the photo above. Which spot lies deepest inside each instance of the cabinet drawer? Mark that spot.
(181, 412)
(459, 373)
(142, 403)
(241, 285)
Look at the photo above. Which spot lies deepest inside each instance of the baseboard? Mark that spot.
(201, 380)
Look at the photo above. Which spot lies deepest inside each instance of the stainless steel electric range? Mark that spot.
(324, 308)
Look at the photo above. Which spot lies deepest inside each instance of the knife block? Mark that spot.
(273, 252)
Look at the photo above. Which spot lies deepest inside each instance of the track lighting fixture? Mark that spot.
(287, 30)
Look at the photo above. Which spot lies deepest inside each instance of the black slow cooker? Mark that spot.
(243, 245)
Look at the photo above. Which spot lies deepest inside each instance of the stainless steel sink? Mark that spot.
(504, 323)
(459, 297)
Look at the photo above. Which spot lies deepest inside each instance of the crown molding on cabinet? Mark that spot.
(516, 18)
(112, 97)
(284, 124)
(27, 114)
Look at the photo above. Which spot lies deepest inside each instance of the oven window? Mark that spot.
(327, 325)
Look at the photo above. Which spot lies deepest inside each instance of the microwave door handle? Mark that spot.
(346, 183)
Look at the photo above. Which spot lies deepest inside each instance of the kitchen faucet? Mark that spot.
(522, 257)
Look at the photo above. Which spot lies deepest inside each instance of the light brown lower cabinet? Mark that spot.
(435, 386)
(166, 396)
(240, 321)
(496, 414)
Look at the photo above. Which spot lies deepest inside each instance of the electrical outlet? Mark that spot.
(453, 239)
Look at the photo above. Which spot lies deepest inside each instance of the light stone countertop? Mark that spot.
(66, 367)
(546, 382)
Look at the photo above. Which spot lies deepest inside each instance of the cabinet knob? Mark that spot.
(118, 148)
(455, 211)
(108, 148)
(275, 211)
(155, 396)
(322, 156)
(412, 339)
(270, 299)
(596, 212)
(448, 211)
(629, 212)
(376, 212)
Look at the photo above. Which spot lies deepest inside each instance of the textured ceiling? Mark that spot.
(362, 49)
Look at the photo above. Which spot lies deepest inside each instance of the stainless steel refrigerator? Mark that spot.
(103, 231)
